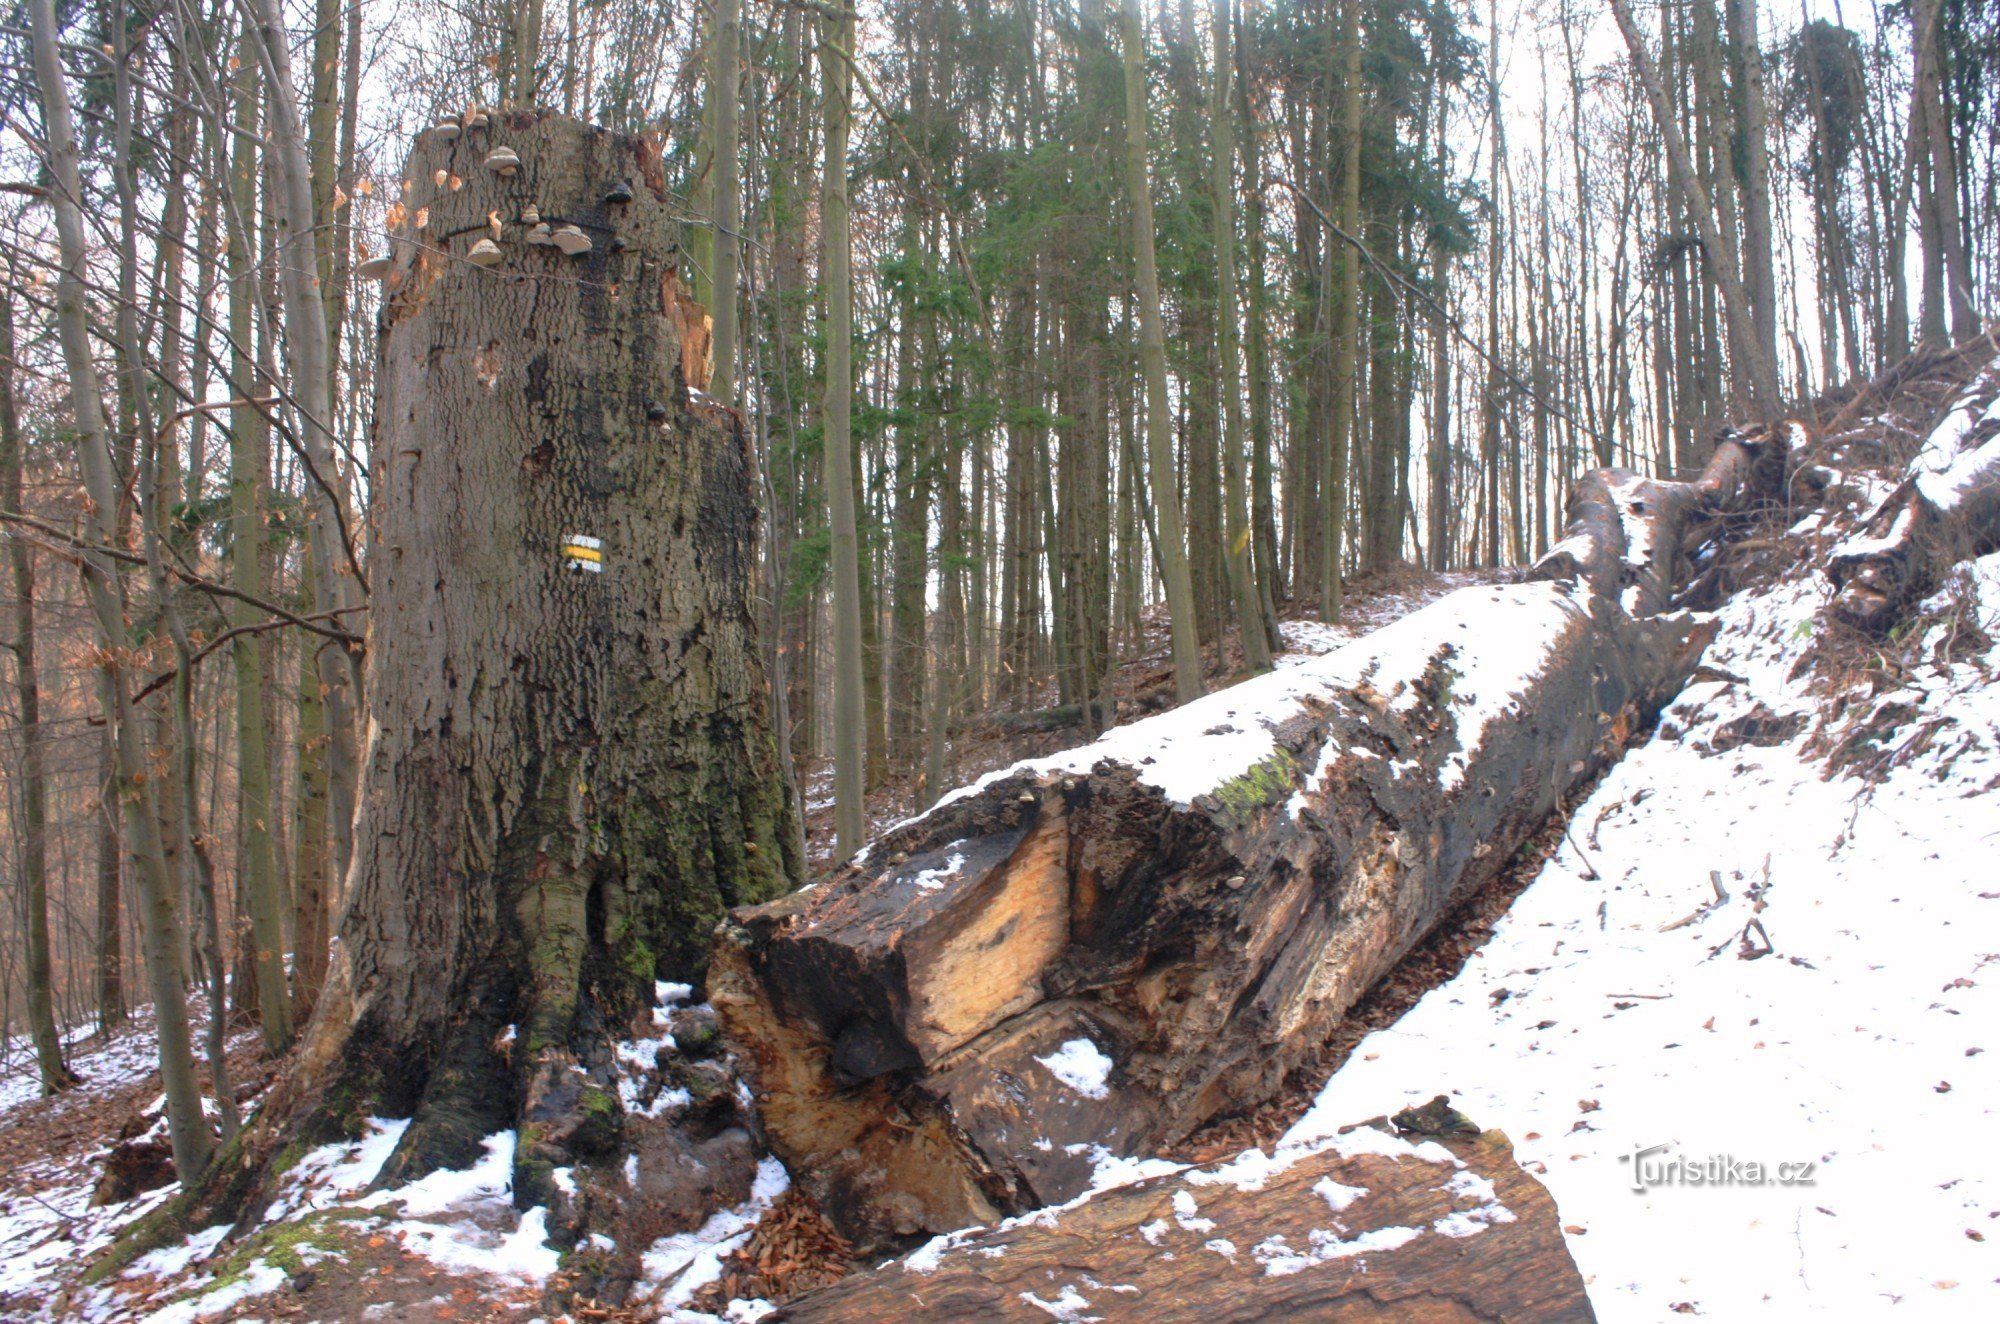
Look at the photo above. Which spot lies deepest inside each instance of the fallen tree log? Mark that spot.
(1099, 951)
(1110, 947)
(1946, 511)
(1371, 1227)
(1197, 908)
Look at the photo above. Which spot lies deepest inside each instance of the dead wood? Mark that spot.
(1448, 1230)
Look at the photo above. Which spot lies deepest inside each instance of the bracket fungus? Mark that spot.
(485, 253)
(571, 241)
(375, 268)
(503, 159)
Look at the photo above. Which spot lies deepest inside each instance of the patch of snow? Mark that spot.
(1861, 1046)
(1081, 1065)
(1196, 748)
(1068, 1306)
(932, 879)
(678, 1266)
(1337, 1196)
(259, 1279)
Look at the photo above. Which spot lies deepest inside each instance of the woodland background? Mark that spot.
(1042, 445)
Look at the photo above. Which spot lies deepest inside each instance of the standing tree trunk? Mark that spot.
(34, 820)
(338, 585)
(1250, 629)
(1752, 354)
(1759, 265)
(187, 1129)
(570, 772)
(1346, 355)
(1171, 539)
(728, 202)
(850, 722)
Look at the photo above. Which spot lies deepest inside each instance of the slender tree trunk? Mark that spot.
(109, 974)
(1945, 226)
(187, 1129)
(527, 52)
(1237, 531)
(850, 729)
(1758, 262)
(332, 532)
(1171, 542)
(1263, 502)
(1346, 316)
(33, 776)
(313, 893)
(257, 875)
(1751, 352)
(728, 197)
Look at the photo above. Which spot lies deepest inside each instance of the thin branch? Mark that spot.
(1423, 296)
(71, 544)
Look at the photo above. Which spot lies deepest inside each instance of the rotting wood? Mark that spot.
(1369, 1228)
(901, 1019)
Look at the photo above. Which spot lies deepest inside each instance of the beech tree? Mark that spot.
(570, 768)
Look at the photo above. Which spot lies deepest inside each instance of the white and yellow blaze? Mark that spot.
(584, 552)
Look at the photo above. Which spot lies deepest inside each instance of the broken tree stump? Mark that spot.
(1370, 1227)
(570, 773)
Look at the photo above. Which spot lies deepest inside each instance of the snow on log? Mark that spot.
(1945, 511)
(1370, 1227)
(1096, 952)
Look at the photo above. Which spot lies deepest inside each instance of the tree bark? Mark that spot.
(1930, 523)
(1753, 355)
(728, 200)
(1346, 355)
(338, 583)
(1452, 1230)
(570, 772)
(1250, 630)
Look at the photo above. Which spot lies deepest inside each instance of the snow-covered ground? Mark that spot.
(1858, 1062)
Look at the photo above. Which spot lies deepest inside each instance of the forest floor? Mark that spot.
(1737, 1014)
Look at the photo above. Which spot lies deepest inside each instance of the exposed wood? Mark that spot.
(1627, 535)
(894, 1018)
(901, 1018)
(1438, 1232)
